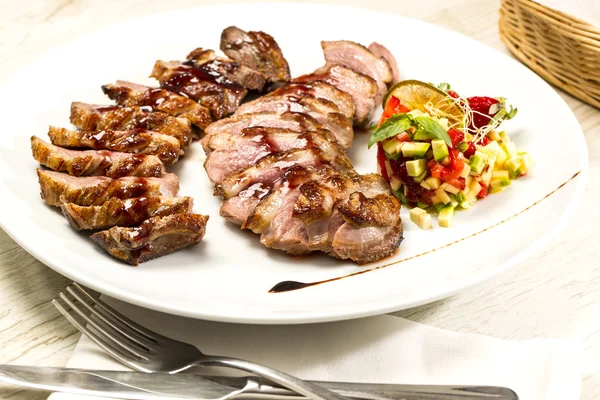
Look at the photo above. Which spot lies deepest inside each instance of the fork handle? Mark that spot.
(304, 388)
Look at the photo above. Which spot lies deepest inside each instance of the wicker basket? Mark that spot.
(561, 49)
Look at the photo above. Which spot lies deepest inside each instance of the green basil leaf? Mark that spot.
(392, 126)
(433, 128)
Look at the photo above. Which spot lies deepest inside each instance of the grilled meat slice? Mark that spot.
(325, 112)
(230, 153)
(244, 190)
(220, 95)
(382, 52)
(208, 61)
(155, 237)
(318, 89)
(127, 212)
(362, 88)
(137, 141)
(93, 117)
(95, 162)
(129, 94)
(360, 59)
(236, 124)
(271, 168)
(256, 50)
(355, 218)
(89, 191)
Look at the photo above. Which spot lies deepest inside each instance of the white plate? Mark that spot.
(227, 276)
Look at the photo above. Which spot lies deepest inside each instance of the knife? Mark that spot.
(143, 386)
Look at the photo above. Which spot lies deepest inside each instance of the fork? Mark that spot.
(147, 351)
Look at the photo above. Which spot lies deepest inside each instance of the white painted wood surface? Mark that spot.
(556, 293)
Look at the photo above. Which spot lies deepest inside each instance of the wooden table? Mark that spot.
(556, 293)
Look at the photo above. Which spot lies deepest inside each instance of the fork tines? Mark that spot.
(124, 339)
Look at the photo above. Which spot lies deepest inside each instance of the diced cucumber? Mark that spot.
(459, 197)
(433, 182)
(438, 207)
(422, 205)
(400, 196)
(395, 183)
(463, 146)
(444, 123)
(501, 158)
(445, 216)
(414, 149)
(391, 145)
(442, 195)
(493, 135)
(421, 177)
(453, 201)
(504, 137)
(425, 185)
(422, 134)
(465, 171)
(501, 175)
(477, 162)
(526, 162)
(468, 137)
(449, 188)
(420, 218)
(486, 177)
(510, 149)
(490, 149)
(513, 165)
(440, 149)
(416, 167)
(435, 200)
(499, 183)
(473, 191)
(466, 204)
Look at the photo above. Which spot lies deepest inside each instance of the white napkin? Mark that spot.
(383, 349)
(585, 10)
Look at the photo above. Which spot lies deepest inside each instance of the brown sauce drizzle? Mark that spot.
(287, 286)
(190, 73)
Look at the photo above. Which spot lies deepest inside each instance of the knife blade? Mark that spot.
(142, 386)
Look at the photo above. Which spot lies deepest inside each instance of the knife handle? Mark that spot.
(264, 389)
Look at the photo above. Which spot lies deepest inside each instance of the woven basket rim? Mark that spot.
(566, 21)
(586, 85)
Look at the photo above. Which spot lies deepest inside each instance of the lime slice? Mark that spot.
(418, 95)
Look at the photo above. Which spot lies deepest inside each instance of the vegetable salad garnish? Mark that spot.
(441, 152)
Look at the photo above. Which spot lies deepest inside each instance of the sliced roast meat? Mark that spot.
(93, 117)
(256, 50)
(155, 237)
(230, 153)
(237, 209)
(325, 112)
(216, 92)
(137, 141)
(124, 212)
(372, 228)
(382, 52)
(236, 124)
(208, 61)
(322, 90)
(129, 94)
(362, 88)
(360, 59)
(94, 162)
(57, 188)
(271, 168)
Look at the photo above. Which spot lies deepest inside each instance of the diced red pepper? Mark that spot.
(392, 107)
(470, 150)
(483, 192)
(381, 162)
(485, 141)
(403, 137)
(456, 136)
(453, 94)
(451, 172)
